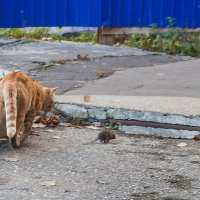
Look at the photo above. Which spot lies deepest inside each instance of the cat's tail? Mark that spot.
(10, 99)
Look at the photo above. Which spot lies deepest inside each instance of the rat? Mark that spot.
(105, 136)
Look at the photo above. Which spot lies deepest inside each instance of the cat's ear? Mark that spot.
(52, 90)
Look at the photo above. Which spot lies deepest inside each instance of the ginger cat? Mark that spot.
(21, 99)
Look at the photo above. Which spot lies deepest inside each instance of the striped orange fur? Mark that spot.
(10, 97)
(21, 99)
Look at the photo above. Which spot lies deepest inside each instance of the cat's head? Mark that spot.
(49, 99)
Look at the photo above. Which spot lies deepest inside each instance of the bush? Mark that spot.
(173, 41)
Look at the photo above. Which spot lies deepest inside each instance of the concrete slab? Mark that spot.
(31, 57)
(186, 106)
(179, 79)
(170, 88)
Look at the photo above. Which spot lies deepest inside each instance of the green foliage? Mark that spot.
(77, 122)
(17, 33)
(81, 37)
(113, 126)
(173, 41)
(39, 33)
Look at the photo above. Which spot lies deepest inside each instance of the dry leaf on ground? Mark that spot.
(65, 124)
(103, 74)
(101, 182)
(197, 137)
(40, 125)
(37, 119)
(50, 130)
(55, 137)
(11, 159)
(87, 98)
(182, 144)
(35, 133)
(52, 121)
(93, 127)
(49, 183)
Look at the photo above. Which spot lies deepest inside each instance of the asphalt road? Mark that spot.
(56, 164)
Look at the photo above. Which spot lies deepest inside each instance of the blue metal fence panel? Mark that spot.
(97, 13)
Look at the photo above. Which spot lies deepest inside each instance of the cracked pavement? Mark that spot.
(26, 56)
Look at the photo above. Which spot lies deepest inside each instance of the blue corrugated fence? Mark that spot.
(97, 13)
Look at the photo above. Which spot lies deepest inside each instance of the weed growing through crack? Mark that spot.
(113, 126)
(77, 122)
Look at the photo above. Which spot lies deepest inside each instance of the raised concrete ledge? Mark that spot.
(106, 113)
(87, 111)
(159, 132)
(186, 106)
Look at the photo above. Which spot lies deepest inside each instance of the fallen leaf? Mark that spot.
(82, 57)
(39, 125)
(87, 98)
(65, 124)
(103, 74)
(62, 61)
(49, 183)
(93, 127)
(10, 159)
(101, 182)
(182, 144)
(50, 130)
(197, 137)
(55, 137)
(35, 134)
(37, 119)
(55, 121)
(50, 121)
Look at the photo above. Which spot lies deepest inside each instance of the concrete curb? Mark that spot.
(95, 114)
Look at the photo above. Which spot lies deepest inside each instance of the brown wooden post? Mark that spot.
(104, 39)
